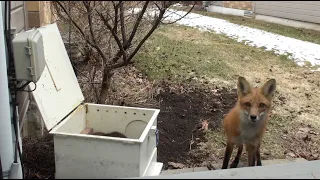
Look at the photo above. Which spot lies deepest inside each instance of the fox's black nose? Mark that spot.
(253, 117)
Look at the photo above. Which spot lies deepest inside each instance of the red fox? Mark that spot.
(246, 122)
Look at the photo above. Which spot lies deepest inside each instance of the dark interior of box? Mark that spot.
(90, 131)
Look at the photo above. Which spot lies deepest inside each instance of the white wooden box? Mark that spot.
(60, 101)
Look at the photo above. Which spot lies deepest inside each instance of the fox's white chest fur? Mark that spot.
(249, 131)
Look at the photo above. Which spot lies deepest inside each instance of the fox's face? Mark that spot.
(255, 103)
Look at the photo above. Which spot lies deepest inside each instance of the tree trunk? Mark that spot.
(107, 74)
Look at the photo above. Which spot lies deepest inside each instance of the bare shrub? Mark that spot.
(108, 34)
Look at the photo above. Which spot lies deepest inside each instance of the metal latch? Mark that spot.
(30, 70)
(28, 50)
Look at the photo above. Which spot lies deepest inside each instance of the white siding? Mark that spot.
(307, 11)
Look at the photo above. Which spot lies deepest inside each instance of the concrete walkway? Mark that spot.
(292, 170)
(240, 165)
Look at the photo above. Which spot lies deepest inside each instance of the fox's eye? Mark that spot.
(261, 105)
(247, 104)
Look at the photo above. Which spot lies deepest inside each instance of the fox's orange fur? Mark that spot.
(246, 123)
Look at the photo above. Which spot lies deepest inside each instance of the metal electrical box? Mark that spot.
(28, 55)
(60, 102)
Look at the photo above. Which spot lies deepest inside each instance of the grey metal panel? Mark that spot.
(307, 11)
(25, 12)
(16, 4)
(23, 102)
(17, 19)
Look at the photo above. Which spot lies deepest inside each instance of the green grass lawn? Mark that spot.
(180, 54)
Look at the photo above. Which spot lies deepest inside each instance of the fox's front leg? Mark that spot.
(236, 160)
(258, 156)
(227, 155)
(252, 153)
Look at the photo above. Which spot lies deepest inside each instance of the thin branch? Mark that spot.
(116, 7)
(156, 24)
(183, 15)
(134, 30)
(89, 15)
(123, 30)
(82, 33)
(124, 53)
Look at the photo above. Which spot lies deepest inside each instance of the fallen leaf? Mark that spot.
(205, 125)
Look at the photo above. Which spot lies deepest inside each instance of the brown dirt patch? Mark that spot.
(181, 111)
(38, 157)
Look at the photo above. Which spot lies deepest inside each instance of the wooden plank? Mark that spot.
(288, 5)
(292, 16)
(296, 11)
(35, 5)
(25, 16)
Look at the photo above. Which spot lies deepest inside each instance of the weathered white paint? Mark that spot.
(6, 137)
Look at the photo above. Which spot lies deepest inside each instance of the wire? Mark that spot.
(25, 85)
(12, 82)
(1, 175)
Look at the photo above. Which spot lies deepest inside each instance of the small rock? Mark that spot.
(176, 165)
(306, 138)
(313, 132)
(286, 151)
(304, 130)
(267, 153)
(87, 131)
(303, 155)
(210, 166)
(291, 154)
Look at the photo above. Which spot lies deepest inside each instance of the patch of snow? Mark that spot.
(177, 5)
(298, 50)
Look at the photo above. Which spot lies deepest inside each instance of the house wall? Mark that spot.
(19, 21)
(306, 11)
(39, 13)
(242, 5)
(8, 141)
(26, 15)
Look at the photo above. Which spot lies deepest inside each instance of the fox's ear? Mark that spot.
(269, 88)
(243, 86)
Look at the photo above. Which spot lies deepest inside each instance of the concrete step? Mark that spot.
(218, 166)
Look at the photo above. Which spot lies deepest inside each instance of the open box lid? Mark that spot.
(57, 92)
